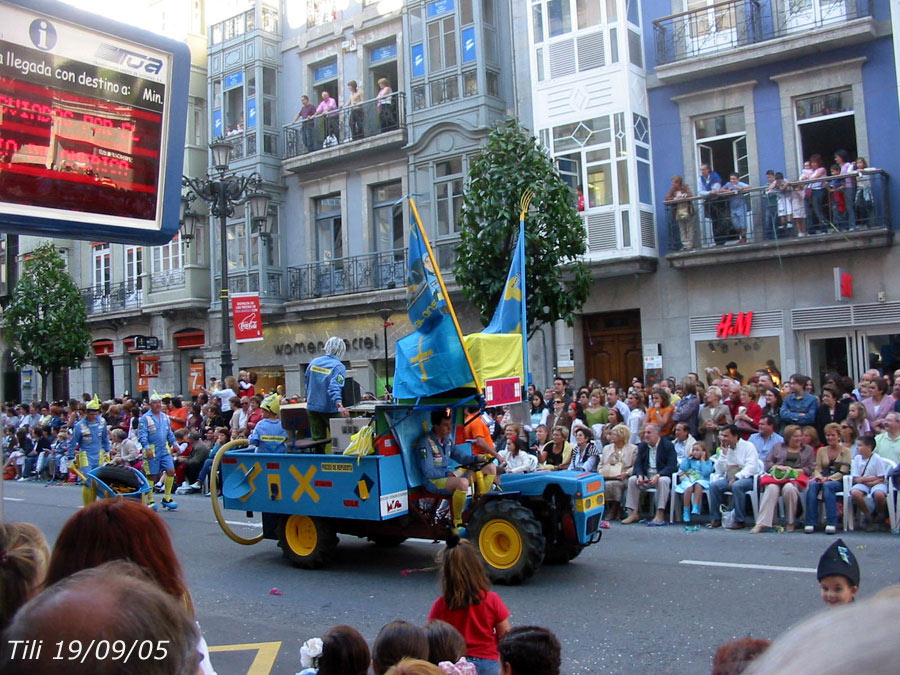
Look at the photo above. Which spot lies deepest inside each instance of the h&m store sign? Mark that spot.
(735, 324)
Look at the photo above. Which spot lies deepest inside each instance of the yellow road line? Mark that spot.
(266, 653)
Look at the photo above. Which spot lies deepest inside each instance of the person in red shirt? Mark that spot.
(468, 604)
(176, 411)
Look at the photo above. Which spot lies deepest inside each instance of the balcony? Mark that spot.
(112, 298)
(167, 280)
(370, 272)
(758, 224)
(243, 23)
(248, 282)
(738, 34)
(369, 127)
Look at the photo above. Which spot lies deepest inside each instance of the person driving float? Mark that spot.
(90, 437)
(155, 436)
(433, 450)
(269, 435)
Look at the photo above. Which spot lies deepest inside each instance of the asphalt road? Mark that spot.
(629, 604)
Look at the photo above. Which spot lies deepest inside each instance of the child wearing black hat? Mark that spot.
(838, 574)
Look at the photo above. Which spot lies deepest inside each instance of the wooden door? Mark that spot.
(612, 345)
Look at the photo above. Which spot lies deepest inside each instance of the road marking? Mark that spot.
(244, 523)
(13, 499)
(748, 566)
(266, 653)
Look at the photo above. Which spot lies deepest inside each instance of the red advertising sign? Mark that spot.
(247, 317)
(147, 367)
(502, 391)
(196, 378)
(735, 324)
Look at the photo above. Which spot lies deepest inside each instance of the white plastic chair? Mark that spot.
(849, 518)
(674, 496)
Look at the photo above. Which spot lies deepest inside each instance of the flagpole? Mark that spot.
(525, 202)
(437, 273)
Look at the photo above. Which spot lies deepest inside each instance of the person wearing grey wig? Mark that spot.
(324, 388)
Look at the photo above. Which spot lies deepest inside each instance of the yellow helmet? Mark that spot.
(93, 404)
(271, 403)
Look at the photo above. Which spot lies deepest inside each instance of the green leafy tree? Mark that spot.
(557, 282)
(45, 323)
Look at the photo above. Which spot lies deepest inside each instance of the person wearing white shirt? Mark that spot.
(683, 442)
(613, 401)
(635, 417)
(868, 473)
(515, 457)
(766, 438)
(734, 469)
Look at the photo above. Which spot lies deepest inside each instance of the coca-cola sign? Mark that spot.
(247, 317)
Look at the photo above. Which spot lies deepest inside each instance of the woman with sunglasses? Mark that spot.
(832, 464)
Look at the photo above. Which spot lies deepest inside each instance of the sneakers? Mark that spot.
(809, 529)
(686, 514)
(830, 529)
(152, 505)
(169, 504)
(695, 509)
(196, 486)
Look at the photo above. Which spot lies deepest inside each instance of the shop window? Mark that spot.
(749, 353)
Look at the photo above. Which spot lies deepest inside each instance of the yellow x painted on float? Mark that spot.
(304, 483)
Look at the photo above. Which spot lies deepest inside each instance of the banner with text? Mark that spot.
(247, 317)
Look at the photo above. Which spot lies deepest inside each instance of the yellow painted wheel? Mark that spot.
(300, 535)
(500, 544)
(307, 541)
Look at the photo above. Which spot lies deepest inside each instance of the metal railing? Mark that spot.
(832, 206)
(248, 282)
(108, 298)
(345, 125)
(735, 23)
(167, 280)
(357, 274)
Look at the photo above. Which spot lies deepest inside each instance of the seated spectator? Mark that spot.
(811, 437)
(574, 419)
(800, 406)
(660, 412)
(124, 450)
(879, 403)
(849, 435)
(515, 457)
(772, 406)
(447, 649)
(766, 438)
(558, 452)
(596, 414)
(341, 651)
(585, 454)
(748, 412)
(615, 419)
(832, 410)
(396, 641)
(869, 491)
(468, 604)
(713, 417)
(24, 555)
(734, 467)
(653, 469)
(787, 471)
(541, 438)
(635, 419)
(530, 650)
(124, 608)
(617, 465)
(887, 443)
(688, 406)
(683, 441)
(832, 464)
(694, 473)
(857, 412)
(414, 667)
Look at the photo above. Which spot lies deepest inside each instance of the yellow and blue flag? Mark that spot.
(508, 315)
(431, 363)
(424, 301)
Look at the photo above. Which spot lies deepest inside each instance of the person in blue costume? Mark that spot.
(155, 436)
(90, 438)
(268, 435)
(324, 389)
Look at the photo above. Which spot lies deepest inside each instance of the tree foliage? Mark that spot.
(45, 323)
(557, 282)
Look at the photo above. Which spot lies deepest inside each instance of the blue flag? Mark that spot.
(431, 363)
(508, 315)
(424, 301)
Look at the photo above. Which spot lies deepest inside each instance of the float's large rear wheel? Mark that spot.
(307, 541)
(509, 540)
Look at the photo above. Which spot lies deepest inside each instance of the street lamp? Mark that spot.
(222, 191)
(385, 314)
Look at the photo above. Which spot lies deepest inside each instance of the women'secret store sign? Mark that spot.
(247, 317)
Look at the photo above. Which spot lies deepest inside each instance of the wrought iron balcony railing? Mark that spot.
(735, 23)
(346, 125)
(108, 298)
(812, 208)
(357, 274)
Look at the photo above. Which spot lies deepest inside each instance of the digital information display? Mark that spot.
(92, 126)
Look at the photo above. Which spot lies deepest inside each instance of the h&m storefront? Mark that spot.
(750, 340)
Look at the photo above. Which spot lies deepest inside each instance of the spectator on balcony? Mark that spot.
(780, 192)
(708, 185)
(819, 222)
(800, 197)
(306, 113)
(771, 201)
(848, 189)
(328, 108)
(579, 198)
(356, 112)
(387, 113)
(737, 203)
(683, 210)
(863, 203)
